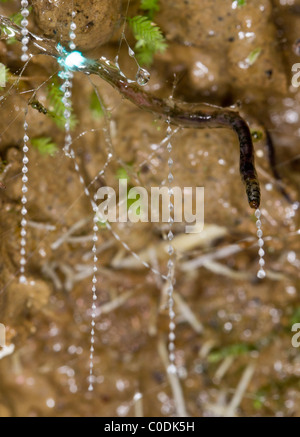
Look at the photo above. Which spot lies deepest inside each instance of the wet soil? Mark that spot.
(244, 321)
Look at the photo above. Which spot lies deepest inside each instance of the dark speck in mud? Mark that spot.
(145, 168)
(269, 73)
(158, 376)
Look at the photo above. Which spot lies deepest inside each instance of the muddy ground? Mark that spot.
(231, 326)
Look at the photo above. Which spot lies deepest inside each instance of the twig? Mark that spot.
(138, 405)
(188, 314)
(206, 348)
(181, 243)
(173, 380)
(220, 269)
(41, 226)
(104, 246)
(49, 271)
(116, 303)
(223, 368)
(224, 252)
(240, 390)
(66, 235)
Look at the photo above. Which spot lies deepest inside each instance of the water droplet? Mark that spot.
(131, 52)
(170, 177)
(142, 77)
(22, 280)
(170, 264)
(261, 252)
(172, 369)
(170, 250)
(261, 274)
(170, 235)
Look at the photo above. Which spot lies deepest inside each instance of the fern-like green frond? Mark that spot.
(17, 18)
(146, 31)
(151, 6)
(149, 38)
(45, 145)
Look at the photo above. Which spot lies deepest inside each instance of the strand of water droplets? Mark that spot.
(24, 30)
(142, 76)
(261, 274)
(94, 290)
(23, 242)
(170, 275)
(25, 159)
(67, 85)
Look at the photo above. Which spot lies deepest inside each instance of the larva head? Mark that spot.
(253, 193)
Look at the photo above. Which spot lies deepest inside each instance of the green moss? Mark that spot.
(150, 39)
(45, 145)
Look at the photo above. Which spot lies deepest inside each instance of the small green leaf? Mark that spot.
(150, 6)
(232, 350)
(17, 18)
(121, 173)
(259, 401)
(95, 106)
(150, 39)
(102, 224)
(252, 58)
(45, 145)
(295, 317)
(241, 3)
